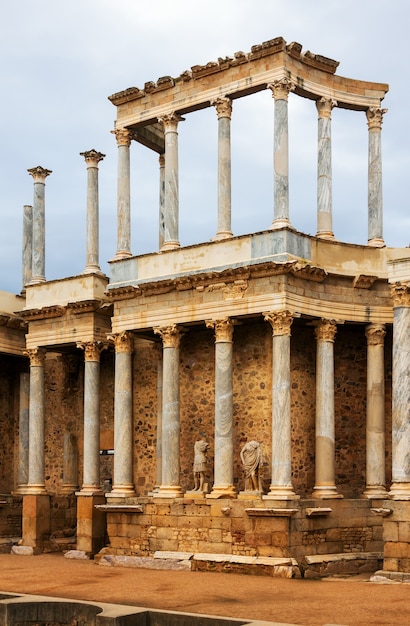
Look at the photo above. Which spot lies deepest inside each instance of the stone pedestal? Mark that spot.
(36, 521)
(396, 538)
(91, 524)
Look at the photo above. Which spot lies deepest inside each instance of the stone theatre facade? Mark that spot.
(298, 342)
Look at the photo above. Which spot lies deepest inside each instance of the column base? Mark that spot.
(325, 234)
(169, 491)
(375, 492)
(326, 492)
(222, 492)
(121, 491)
(281, 222)
(89, 490)
(400, 491)
(170, 245)
(35, 490)
(281, 492)
(377, 242)
(94, 269)
(122, 254)
(223, 234)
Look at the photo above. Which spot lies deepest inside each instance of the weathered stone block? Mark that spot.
(398, 550)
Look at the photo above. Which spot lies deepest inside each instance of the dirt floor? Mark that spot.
(350, 601)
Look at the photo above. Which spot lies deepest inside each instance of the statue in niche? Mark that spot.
(251, 457)
(200, 449)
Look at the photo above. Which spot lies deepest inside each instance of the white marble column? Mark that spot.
(123, 138)
(39, 175)
(171, 193)
(280, 91)
(325, 486)
(223, 464)
(123, 484)
(161, 237)
(27, 252)
(91, 462)
(36, 484)
(400, 489)
(224, 111)
(24, 400)
(92, 158)
(324, 169)
(375, 422)
(170, 487)
(281, 487)
(375, 195)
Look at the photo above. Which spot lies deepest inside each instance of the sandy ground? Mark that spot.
(353, 601)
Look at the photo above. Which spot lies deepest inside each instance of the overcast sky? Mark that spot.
(61, 60)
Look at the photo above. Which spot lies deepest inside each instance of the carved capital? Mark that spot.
(123, 342)
(92, 349)
(223, 329)
(170, 335)
(92, 157)
(123, 136)
(326, 330)
(170, 122)
(161, 160)
(37, 356)
(324, 107)
(281, 321)
(39, 173)
(223, 107)
(375, 334)
(375, 118)
(400, 293)
(281, 88)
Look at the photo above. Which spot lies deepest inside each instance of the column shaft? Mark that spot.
(27, 253)
(171, 197)
(375, 195)
(123, 194)
(324, 169)
(39, 175)
(23, 431)
(224, 111)
(36, 483)
(92, 158)
(161, 237)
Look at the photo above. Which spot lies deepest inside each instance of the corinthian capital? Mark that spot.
(170, 335)
(326, 330)
(400, 293)
(223, 107)
(375, 118)
(92, 157)
(170, 122)
(281, 321)
(123, 342)
(223, 329)
(123, 136)
(92, 349)
(375, 334)
(324, 106)
(281, 88)
(36, 355)
(39, 173)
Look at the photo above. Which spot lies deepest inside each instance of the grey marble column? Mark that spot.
(123, 138)
(280, 91)
(92, 158)
(223, 464)
(39, 175)
(224, 111)
(325, 486)
(170, 487)
(281, 487)
(324, 169)
(400, 489)
(375, 418)
(91, 462)
(171, 194)
(375, 195)
(123, 484)
(161, 237)
(160, 373)
(27, 253)
(24, 401)
(36, 484)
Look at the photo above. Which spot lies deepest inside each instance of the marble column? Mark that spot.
(36, 483)
(158, 475)
(375, 196)
(224, 111)
(123, 484)
(24, 401)
(39, 175)
(375, 422)
(325, 486)
(170, 487)
(400, 489)
(223, 464)
(161, 237)
(92, 158)
(281, 482)
(280, 91)
(171, 192)
(91, 463)
(324, 169)
(27, 253)
(123, 138)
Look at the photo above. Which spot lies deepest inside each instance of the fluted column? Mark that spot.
(223, 464)
(161, 237)
(375, 195)
(224, 111)
(170, 487)
(123, 426)
(375, 422)
(92, 158)
(400, 489)
(39, 175)
(171, 197)
(280, 91)
(36, 483)
(91, 467)
(281, 482)
(24, 400)
(123, 138)
(325, 486)
(27, 252)
(324, 169)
